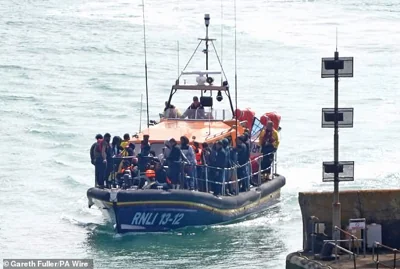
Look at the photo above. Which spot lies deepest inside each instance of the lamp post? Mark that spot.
(337, 118)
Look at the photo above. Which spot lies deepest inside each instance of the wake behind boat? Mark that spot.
(200, 167)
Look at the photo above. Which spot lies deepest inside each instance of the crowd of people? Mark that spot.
(180, 165)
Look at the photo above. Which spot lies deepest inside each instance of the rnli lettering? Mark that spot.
(151, 218)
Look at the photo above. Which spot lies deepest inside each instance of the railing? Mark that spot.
(197, 114)
(351, 240)
(376, 246)
(231, 177)
(351, 254)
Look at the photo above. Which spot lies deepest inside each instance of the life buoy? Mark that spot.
(271, 116)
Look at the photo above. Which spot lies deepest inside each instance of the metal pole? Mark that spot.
(207, 50)
(336, 204)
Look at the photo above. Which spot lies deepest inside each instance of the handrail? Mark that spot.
(345, 232)
(247, 176)
(344, 250)
(378, 245)
(352, 239)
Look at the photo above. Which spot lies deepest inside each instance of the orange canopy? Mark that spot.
(200, 131)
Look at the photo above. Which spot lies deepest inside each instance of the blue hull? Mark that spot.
(158, 211)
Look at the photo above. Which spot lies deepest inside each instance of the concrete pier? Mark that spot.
(376, 206)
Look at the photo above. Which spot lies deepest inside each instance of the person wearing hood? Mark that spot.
(93, 156)
(218, 161)
(190, 158)
(228, 164)
(243, 159)
(173, 161)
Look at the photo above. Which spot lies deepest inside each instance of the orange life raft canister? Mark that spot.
(245, 115)
(271, 116)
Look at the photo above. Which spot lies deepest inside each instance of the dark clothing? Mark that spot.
(173, 164)
(242, 155)
(100, 172)
(110, 163)
(205, 156)
(242, 172)
(267, 159)
(218, 159)
(161, 176)
(92, 153)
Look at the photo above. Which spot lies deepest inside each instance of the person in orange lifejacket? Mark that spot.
(269, 142)
(199, 170)
(197, 152)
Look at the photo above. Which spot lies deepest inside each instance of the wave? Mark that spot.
(17, 67)
(55, 134)
(19, 98)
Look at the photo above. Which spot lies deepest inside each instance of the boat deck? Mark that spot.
(386, 260)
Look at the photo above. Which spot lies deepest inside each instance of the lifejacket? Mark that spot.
(198, 156)
(267, 137)
(150, 173)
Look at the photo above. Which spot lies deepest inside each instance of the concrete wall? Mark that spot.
(377, 206)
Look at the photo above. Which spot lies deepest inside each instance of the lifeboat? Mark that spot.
(189, 194)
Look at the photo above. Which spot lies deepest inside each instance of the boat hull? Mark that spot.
(158, 210)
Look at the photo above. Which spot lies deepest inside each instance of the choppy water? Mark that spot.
(70, 69)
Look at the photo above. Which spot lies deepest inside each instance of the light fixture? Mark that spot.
(207, 19)
(219, 96)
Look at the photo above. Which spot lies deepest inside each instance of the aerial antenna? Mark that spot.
(141, 108)
(336, 38)
(236, 104)
(178, 55)
(145, 66)
(222, 38)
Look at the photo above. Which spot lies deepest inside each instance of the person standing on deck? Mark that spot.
(243, 159)
(173, 161)
(205, 161)
(218, 162)
(98, 138)
(269, 142)
(198, 152)
(190, 167)
(109, 157)
(101, 159)
(228, 164)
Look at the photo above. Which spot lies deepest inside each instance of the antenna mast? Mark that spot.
(178, 57)
(236, 104)
(336, 39)
(145, 67)
(141, 108)
(207, 22)
(222, 37)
